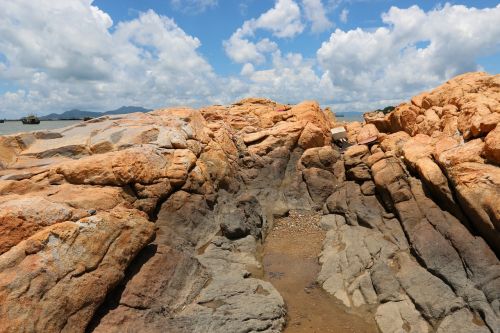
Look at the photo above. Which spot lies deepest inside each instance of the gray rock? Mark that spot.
(446, 248)
(385, 283)
(433, 297)
(245, 219)
(349, 253)
(320, 184)
(331, 221)
(398, 317)
(462, 321)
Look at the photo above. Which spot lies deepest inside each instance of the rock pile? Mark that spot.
(80, 203)
(450, 137)
(152, 222)
(414, 229)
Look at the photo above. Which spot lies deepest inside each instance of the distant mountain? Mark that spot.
(79, 114)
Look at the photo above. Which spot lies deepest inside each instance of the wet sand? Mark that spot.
(290, 262)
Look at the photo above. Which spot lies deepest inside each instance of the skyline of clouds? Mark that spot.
(81, 58)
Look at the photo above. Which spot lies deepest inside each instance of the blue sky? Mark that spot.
(353, 55)
(217, 23)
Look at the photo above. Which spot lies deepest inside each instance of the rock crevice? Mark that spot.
(154, 222)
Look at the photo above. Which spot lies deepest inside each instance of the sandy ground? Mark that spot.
(290, 260)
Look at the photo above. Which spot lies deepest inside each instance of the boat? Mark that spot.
(30, 120)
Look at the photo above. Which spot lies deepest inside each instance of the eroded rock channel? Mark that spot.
(290, 262)
(247, 218)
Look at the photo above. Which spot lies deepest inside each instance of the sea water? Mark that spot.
(11, 127)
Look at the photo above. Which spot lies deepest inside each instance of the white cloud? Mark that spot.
(414, 51)
(290, 79)
(241, 50)
(30, 42)
(247, 69)
(343, 15)
(80, 58)
(315, 13)
(193, 6)
(73, 60)
(283, 21)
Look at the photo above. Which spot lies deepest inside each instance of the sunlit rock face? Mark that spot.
(454, 146)
(152, 222)
(414, 229)
(79, 204)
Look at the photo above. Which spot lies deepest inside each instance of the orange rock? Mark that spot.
(21, 218)
(312, 136)
(374, 158)
(485, 124)
(469, 152)
(469, 103)
(353, 129)
(394, 142)
(367, 132)
(492, 146)
(330, 116)
(476, 184)
(378, 119)
(60, 275)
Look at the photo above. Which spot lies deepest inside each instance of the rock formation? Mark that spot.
(80, 203)
(153, 222)
(454, 147)
(410, 227)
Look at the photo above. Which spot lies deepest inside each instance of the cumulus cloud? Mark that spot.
(315, 13)
(29, 42)
(73, 60)
(290, 79)
(413, 51)
(81, 58)
(283, 21)
(193, 6)
(241, 50)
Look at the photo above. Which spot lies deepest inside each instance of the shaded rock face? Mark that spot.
(401, 253)
(151, 222)
(416, 222)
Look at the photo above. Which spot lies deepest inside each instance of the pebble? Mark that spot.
(295, 222)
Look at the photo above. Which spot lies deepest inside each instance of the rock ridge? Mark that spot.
(152, 222)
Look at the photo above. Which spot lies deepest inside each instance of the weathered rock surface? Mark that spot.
(152, 222)
(454, 147)
(54, 280)
(420, 246)
(79, 204)
(468, 104)
(415, 262)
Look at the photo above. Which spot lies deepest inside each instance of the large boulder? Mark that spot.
(492, 146)
(378, 119)
(367, 132)
(60, 275)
